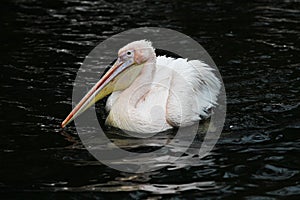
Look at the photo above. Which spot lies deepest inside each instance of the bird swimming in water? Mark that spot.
(150, 93)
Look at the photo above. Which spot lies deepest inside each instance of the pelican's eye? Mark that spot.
(129, 53)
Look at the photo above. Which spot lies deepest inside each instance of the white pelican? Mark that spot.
(152, 94)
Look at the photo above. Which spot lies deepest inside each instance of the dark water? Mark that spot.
(256, 47)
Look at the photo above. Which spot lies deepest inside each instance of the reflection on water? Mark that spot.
(253, 44)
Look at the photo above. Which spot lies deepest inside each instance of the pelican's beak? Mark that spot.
(102, 88)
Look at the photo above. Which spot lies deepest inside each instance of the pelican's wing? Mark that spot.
(193, 90)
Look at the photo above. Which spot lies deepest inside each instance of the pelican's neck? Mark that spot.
(142, 84)
(147, 73)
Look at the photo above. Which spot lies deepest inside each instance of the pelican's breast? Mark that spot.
(146, 112)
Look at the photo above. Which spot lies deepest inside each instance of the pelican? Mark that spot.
(150, 93)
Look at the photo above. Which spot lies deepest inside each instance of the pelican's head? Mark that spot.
(140, 51)
(131, 60)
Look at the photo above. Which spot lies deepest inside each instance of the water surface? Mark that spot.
(43, 43)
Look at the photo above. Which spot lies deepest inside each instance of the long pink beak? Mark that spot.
(90, 98)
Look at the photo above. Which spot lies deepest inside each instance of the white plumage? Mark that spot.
(180, 94)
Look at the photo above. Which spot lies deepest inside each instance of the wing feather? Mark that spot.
(193, 91)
